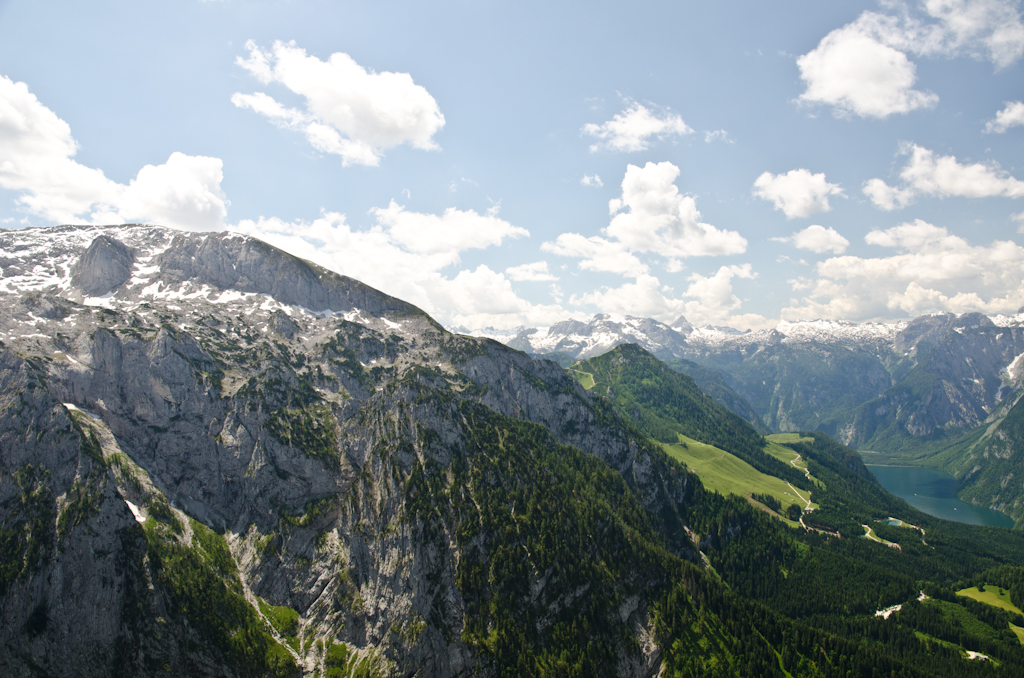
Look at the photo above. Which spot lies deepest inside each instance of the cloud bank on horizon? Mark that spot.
(653, 252)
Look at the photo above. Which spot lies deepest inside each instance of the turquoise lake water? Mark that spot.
(932, 491)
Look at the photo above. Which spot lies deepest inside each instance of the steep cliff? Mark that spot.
(211, 417)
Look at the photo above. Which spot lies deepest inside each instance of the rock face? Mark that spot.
(66, 542)
(904, 390)
(227, 427)
(250, 266)
(105, 266)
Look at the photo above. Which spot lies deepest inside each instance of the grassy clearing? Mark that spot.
(727, 474)
(784, 454)
(992, 595)
(586, 379)
(1019, 632)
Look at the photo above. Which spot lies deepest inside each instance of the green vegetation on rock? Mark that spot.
(310, 429)
(665, 404)
(196, 590)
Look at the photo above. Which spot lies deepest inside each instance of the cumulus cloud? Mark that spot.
(453, 231)
(535, 272)
(597, 254)
(651, 216)
(863, 68)
(349, 111)
(942, 177)
(634, 128)
(591, 180)
(707, 299)
(1012, 115)
(37, 160)
(798, 193)
(929, 270)
(817, 239)
(395, 254)
(887, 197)
(983, 29)
(855, 73)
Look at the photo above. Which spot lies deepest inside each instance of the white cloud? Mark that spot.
(652, 216)
(886, 197)
(1012, 115)
(633, 129)
(798, 193)
(597, 254)
(707, 299)
(397, 256)
(862, 68)
(853, 72)
(535, 272)
(453, 231)
(591, 180)
(36, 159)
(800, 283)
(1019, 218)
(930, 270)
(983, 29)
(349, 111)
(718, 135)
(942, 177)
(817, 239)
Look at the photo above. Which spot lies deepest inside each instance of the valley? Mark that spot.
(937, 391)
(221, 460)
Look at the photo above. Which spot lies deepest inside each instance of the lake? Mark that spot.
(932, 491)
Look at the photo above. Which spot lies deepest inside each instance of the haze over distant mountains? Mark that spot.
(933, 390)
(218, 459)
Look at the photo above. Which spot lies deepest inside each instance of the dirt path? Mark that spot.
(902, 523)
(807, 471)
(810, 509)
(870, 534)
(807, 501)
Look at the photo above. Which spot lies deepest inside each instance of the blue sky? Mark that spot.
(521, 163)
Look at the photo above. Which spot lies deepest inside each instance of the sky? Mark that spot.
(503, 164)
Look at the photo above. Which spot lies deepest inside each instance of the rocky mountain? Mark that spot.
(571, 340)
(903, 390)
(941, 372)
(217, 459)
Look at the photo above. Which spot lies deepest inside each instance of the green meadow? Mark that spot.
(992, 595)
(727, 474)
(586, 379)
(775, 448)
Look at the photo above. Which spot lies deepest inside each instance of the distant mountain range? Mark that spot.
(933, 390)
(217, 459)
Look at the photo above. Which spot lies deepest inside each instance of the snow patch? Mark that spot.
(1015, 368)
(136, 511)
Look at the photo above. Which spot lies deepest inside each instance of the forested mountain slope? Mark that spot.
(860, 551)
(218, 459)
(915, 392)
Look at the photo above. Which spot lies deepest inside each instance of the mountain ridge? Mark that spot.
(203, 474)
(907, 390)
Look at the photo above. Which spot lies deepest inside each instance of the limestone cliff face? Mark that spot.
(221, 397)
(950, 376)
(103, 267)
